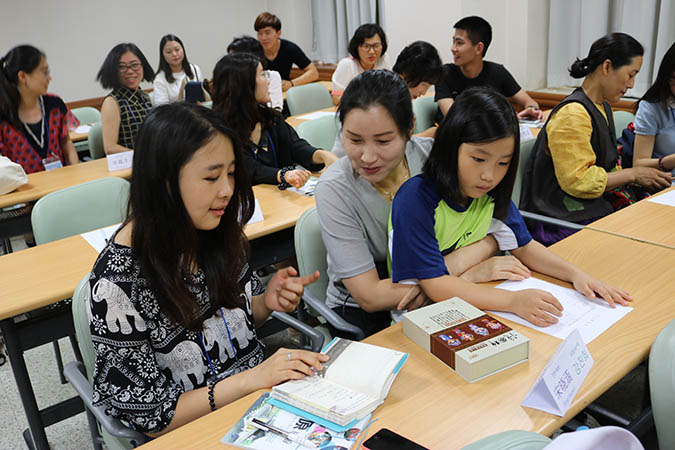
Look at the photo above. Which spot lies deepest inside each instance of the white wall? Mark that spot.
(519, 31)
(76, 35)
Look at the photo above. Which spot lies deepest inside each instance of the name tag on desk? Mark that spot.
(562, 377)
(120, 161)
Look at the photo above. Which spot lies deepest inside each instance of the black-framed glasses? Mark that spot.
(369, 47)
(135, 66)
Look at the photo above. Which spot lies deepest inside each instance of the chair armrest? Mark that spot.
(551, 220)
(315, 337)
(74, 373)
(332, 317)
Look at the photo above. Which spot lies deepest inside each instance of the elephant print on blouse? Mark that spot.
(183, 360)
(119, 307)
(214, 331)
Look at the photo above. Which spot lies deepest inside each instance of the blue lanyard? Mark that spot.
(201, 340)
(133, 115)
(254, 149)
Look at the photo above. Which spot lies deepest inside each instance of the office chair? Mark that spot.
(308, 98)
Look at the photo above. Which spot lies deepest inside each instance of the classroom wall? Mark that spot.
(76, 35)
(519, 31)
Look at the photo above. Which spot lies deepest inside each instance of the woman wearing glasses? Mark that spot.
(33, 124)
(125, 108)
(367, 49)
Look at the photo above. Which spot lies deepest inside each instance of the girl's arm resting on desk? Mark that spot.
(274, 370)
(373, 294)
(539, 258)
(536, 306)
(476, 263)
(110, 122)
(69, 151)
(643, 151)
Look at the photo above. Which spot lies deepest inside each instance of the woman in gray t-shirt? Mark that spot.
(354, 198)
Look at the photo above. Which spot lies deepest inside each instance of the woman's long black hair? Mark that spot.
(659, 91)
(477, 115)
(233, 94)
(165, 67)
(164, 240)
(24, 58)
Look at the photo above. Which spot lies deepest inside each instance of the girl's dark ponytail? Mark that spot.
(22, 58)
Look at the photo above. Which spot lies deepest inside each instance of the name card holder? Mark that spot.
(560, 380)
(120, 161)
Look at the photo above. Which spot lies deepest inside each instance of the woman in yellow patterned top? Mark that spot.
(575, 172)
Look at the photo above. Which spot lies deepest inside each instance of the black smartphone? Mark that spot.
(386, 439)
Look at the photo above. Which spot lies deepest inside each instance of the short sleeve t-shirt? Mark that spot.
(493, 75)
(289, 54)
(652, 119)
(353, 218)
(424, 226)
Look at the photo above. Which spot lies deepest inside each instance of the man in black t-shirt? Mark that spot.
(469, 44)
(282, 54)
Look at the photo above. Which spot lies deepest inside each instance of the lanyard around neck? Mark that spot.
(229, 336)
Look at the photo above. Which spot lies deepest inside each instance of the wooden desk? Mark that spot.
(643, 221)
(294, 121)
(62, 264)
(42, 183)
(77, 137)
(433, 406)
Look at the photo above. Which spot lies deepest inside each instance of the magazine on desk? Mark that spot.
(354, 382)
(297, 432)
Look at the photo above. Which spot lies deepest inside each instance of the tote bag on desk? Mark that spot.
(12, 175)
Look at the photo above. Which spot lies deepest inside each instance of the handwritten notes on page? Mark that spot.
(667, 199)
(591, 316)
(562, 377)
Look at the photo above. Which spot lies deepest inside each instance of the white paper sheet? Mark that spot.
(591, 316)
(120, 161)
(307, 189)
(99, 238)
(316, 115)
(83, 129)
(667, 199)
(257, 214)
(525, 133)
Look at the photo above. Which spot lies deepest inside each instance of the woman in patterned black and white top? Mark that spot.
(173, 302)
(124, 109)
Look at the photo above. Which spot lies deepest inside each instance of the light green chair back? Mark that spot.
(424, 109)
(95, 139)
(511, 440)
(308, 98)
(621, 121)
(87, 114)
(525, 153)
(81, 316)
(78, 209)
(319, 132)
(311, 252)
(662, 385)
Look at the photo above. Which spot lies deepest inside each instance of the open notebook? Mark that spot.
(354, 382)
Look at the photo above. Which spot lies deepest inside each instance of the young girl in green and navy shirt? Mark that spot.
(464, 194)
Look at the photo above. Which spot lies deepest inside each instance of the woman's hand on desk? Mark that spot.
(652, 179)
(297, 178)
(285, 289)
(497, 268)
(536, 306)
(285, 364)
(591, 287)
